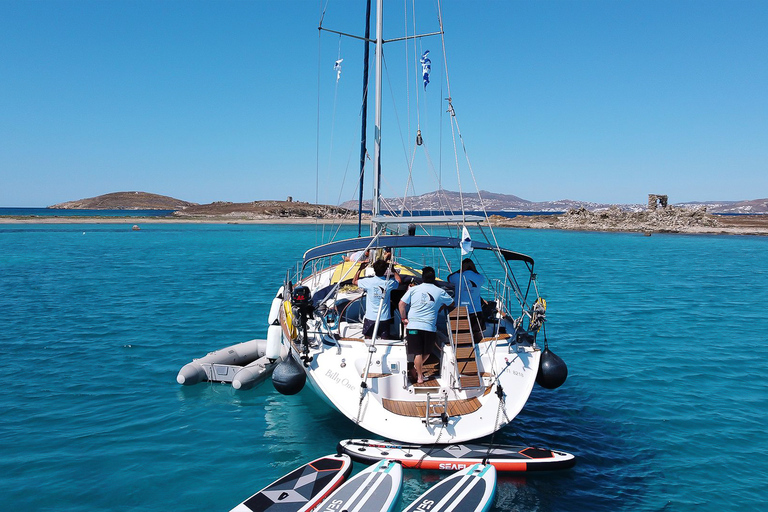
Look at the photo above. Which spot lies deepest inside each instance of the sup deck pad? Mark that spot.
(301, 489)
(468, 490)
(453, 457)
(375, 489)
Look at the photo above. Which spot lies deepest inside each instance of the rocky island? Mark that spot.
(125, 201)
(668, 220)
(264, 210)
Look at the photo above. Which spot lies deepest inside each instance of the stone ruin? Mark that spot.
(666, 218)
(656, 199)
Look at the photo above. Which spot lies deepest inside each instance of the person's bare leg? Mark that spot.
(418, 361)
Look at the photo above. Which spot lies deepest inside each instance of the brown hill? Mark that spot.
(125, 201)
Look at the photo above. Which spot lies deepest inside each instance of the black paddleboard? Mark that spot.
(302, 489)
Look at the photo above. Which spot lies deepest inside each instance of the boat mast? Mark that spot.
(376, 207)
(363, 137)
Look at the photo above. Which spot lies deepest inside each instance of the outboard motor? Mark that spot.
(301, 302)
(552, 370)
(289, 377)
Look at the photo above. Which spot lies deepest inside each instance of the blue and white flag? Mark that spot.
(466, 242)
(426, 67)
(337, 68)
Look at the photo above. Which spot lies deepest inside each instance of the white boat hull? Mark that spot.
(337, 379)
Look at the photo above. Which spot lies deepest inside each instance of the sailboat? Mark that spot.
(479, 372)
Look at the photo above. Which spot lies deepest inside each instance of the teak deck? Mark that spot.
(419, 409)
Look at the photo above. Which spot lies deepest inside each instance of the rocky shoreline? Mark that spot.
(665, 220)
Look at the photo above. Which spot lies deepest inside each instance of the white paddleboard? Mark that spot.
(375, 489)
(452, 457)
(302, 489)
(469, 490)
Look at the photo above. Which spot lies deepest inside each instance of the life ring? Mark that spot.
(288, 325)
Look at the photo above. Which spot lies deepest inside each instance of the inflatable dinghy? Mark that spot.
(244, 365)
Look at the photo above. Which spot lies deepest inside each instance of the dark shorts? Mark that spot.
(384, 328)
(420, 342)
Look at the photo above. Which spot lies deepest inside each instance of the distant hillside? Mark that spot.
(265, 210)
(743, 207)
(446, 199)
(125, 201)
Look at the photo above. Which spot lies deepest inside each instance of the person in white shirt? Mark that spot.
(420, 320)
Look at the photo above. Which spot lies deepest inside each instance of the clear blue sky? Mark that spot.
(595, 100)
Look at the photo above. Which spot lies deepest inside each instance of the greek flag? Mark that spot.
(466, 242)
(426, 67)
(337, 68)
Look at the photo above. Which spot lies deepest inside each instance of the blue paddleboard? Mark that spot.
(301, 489)
(469, 490)
(375, 489)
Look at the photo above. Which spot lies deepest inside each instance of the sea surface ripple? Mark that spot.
(664, 336)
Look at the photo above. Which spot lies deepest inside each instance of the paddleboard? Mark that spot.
(302, 489)
(469, 490)
(375, 489)
(453, 457)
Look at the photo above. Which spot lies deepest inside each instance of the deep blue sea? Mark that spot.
(666, 339)
(55, 212)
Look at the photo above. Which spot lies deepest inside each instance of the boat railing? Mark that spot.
(454, 364)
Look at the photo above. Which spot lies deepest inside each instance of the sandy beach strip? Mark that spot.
(755, 225)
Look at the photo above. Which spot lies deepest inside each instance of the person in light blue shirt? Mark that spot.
(377, 293)
(468, 285)
(425, 301)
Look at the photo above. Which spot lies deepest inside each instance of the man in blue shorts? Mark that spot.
(425, 301)
(377, 292)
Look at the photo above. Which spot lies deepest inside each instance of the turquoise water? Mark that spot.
(665, 338)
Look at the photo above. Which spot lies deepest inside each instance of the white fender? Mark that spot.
(274, 310)
(274, 341)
